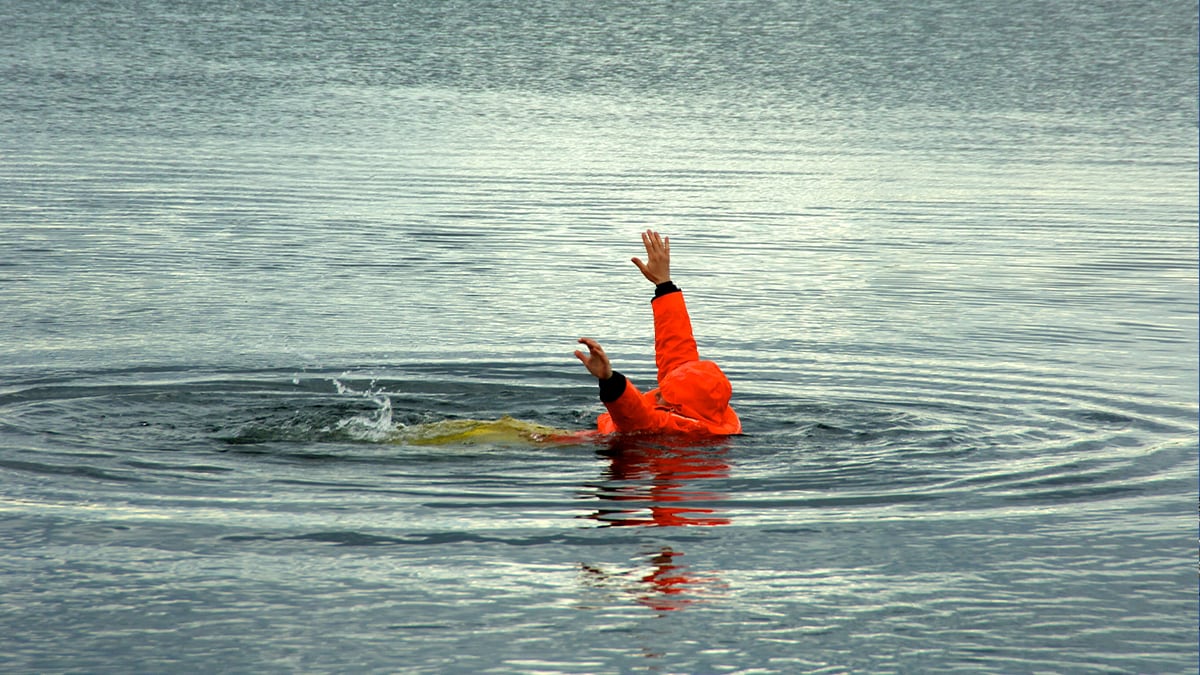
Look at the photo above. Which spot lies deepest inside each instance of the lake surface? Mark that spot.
(260, 262)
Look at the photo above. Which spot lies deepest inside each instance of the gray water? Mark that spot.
(946, 251)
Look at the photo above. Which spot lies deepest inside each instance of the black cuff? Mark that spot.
(612, 388)
(664, 288)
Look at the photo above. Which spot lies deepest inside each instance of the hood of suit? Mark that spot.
(699, 389)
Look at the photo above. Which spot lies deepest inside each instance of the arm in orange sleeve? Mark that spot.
(627, 406)
(674, 344)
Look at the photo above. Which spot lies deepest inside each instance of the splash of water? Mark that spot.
(374, 426)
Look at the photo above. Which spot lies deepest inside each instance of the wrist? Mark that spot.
(665, 287)
(612, 388)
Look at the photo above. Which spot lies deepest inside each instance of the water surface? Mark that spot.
(251, 252)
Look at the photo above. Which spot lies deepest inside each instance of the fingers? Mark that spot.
(596, 361)
(643, 269)
(595, 351)
(655, 243)
(592, 345)
(651, 241)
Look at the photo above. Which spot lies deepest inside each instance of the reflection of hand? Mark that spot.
(596, 360)
(657, 267)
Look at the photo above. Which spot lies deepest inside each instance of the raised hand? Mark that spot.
(596, 360)
(657, 267)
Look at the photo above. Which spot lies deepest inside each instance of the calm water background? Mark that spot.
(946, 250)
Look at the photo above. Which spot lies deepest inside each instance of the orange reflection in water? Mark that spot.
(654, 475)
(649, 483)
(666, 585)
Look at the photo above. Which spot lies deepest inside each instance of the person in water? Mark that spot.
(692, 395)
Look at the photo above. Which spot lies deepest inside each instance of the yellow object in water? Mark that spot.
(504, 431)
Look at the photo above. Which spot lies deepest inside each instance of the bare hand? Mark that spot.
(595, 360)
(657, 267)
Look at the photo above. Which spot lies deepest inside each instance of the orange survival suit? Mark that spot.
(695, 394)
